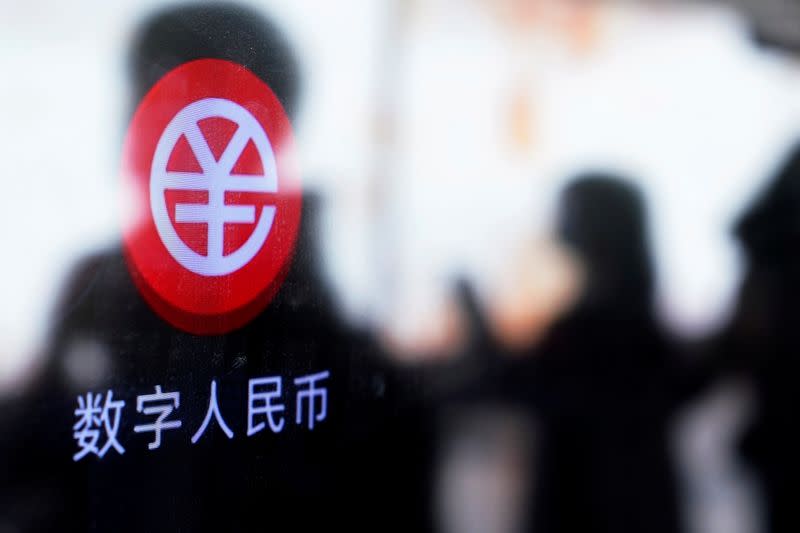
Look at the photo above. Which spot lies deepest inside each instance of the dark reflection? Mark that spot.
(176, 35)
(763, 340)
(354, 470)
(602, 383)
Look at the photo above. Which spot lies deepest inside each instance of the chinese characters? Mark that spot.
(94, 417)
(99, 415)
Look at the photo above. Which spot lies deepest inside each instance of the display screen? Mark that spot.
(389, 265)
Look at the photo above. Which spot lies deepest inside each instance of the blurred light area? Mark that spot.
(719, 493)
(456, 170)
(481, 481)
(675, 97)
(61, 96)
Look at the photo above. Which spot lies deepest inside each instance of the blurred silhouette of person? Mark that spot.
(105, 337)
(599, 382)
(763, 340)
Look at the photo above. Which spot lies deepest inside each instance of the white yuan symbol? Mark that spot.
(216, 178)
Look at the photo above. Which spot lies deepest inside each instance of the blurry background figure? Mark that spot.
(763, 340)
(602, 379)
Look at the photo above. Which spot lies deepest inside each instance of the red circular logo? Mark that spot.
(211, 195)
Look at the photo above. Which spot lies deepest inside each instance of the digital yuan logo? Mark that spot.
(216, 179)
(212, 196)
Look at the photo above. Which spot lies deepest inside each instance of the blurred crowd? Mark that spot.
(534, 314)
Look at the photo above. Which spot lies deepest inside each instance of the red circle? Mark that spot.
(207, 304)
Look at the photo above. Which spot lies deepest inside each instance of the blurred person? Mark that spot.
(600, 380)
(762, 342)
(353, 471)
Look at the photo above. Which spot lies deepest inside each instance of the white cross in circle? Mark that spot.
(216, 178)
